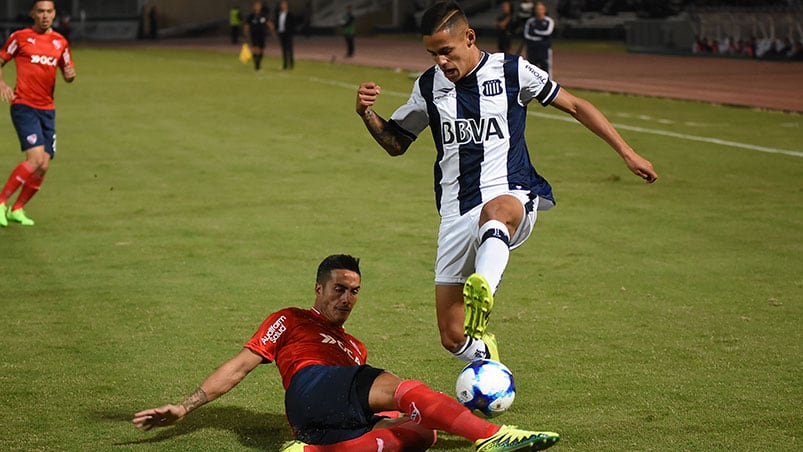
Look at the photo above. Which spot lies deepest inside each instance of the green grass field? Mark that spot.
(191, 197)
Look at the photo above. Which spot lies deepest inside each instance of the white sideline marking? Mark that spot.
(665, 133)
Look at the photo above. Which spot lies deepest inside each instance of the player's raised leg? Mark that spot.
(499, 219)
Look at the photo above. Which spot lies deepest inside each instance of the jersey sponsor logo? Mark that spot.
(44, 60)
(538, 74)
(327, 339)
(275, 331)
(492, 87)
(31, 138)
(463, 131)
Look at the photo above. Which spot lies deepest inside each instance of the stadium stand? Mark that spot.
(754, 32)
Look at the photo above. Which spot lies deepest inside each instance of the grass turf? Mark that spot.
(191, 197)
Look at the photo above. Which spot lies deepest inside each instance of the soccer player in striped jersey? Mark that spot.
(37, 51)
(486, 189)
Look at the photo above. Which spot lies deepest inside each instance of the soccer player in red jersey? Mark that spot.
(37, 52)
(334, 401)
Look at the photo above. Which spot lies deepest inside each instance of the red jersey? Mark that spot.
(295, 338)
(37, 55)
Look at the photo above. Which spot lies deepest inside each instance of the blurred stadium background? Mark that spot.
(754, 28)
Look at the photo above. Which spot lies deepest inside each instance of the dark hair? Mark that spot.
(34, 2)
(440, 16)
(336, 262)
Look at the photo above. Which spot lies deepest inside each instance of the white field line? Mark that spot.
(565, 118)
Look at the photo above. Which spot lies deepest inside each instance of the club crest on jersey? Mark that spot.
(32, 138)
(492, 87)
(57, 44)
(463, 131)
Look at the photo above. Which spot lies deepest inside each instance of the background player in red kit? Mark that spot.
(333, 399)
(37, 52)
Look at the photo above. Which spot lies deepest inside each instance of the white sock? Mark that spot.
(472, 350)
(493, 253)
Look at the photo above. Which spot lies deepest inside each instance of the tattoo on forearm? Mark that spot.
(383, 135)
(195, 400)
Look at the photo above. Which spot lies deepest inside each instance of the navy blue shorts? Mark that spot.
(35, 127)
(329, 404)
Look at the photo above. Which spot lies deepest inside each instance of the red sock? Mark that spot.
(17, 178)
(407, 437)
(437, 411)
(28, 190)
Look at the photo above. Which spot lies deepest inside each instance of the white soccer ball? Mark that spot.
(486, 386)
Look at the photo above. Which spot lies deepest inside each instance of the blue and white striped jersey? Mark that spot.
(478, 127)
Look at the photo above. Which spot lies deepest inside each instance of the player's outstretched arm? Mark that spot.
(218, 383)
(588, 115)
(391, 140)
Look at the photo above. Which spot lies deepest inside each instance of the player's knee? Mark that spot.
(38, 159)
(451, 341)
(506, 210)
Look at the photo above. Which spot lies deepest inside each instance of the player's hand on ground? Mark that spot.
(158, 417)
(641, 167)
(6, 93)
(366, 96)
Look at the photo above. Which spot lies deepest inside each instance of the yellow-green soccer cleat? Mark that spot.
(510, 438)
(19, 216)
(479, 300)
(3, 219)
(493, 348)
(293, 446)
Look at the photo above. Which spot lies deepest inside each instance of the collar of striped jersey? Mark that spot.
(483, 59)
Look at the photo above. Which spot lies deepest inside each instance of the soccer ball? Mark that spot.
(487, 387)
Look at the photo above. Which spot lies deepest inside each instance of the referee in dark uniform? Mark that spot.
(256, 29)
(537, 32)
